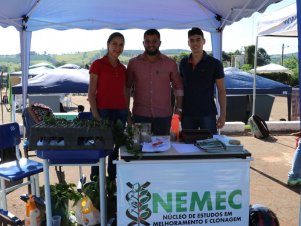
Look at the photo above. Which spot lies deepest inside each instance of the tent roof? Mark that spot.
(35, 69)
(279, 23)
(240, 82)
(59, 80)
(271, 68)
(210, 15)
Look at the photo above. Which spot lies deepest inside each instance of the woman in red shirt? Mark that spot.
(107, 93)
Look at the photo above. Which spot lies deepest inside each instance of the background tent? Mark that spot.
(281, 23)
(56, 81)
(239, 88)
(272, 68)
(59, 80)
(212, 16)
(241, 82)
(35, 69)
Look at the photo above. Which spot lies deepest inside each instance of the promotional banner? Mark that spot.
(173, 192)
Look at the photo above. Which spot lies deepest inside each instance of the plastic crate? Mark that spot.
(71, 137)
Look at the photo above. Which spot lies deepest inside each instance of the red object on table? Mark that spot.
(175, 125)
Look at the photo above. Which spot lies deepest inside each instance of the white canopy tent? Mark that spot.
(272, 68)
(281, 23)
(210, 15)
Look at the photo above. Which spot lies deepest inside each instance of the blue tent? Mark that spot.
(240, 82)
(59, 80)
(239, 88)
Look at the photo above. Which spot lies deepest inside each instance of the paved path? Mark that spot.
(272, 161)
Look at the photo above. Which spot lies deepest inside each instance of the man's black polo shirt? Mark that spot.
(199, 85)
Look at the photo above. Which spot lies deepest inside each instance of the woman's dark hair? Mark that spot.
(114, 35)
(195, 31)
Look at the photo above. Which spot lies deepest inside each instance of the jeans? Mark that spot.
(113, 115)
(295, 171)
(203, 122)
(160, 125)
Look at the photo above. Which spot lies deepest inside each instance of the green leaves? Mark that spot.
(52, 121)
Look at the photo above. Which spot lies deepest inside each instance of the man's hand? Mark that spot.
(130, 119)
(220, 122)
(178, 111)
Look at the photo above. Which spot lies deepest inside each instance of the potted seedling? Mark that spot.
(91, 189)
(60, 195)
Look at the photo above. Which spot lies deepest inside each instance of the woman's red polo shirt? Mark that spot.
(110, 92)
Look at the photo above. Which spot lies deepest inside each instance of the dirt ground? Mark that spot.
(268, 172)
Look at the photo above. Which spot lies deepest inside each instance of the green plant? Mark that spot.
(60, 195)
(91, 189)
(125, 138)
(132, 147)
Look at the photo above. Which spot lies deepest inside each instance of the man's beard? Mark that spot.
(152, 53)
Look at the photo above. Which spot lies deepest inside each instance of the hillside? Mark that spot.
(12, 62)
(9, 63)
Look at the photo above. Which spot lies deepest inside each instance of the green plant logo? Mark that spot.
(138, 198)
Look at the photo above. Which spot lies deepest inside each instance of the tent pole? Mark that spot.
(1, 97)
(254, 79)
(289, 107)
(13, 109)
(299, 61)
(216, 38)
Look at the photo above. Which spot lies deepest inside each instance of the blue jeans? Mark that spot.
(160, 125)
(113, 115)
(203, 122)
(295, 171)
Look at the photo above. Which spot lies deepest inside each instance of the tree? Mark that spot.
(246, 67)
(226, 56)
(237, 52)
(249, 55)
(262, 57)
(179, 57)
(292, 64)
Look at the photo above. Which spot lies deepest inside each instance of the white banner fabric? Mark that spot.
(196, 192)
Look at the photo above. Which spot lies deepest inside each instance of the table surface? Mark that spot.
(172, 153)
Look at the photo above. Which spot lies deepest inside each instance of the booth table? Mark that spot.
(183, 187)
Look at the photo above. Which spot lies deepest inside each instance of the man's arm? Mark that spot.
(177, 85)
(129, 89)
(220, 84)
(178, 108)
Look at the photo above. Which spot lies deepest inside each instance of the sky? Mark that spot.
(235, 37)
